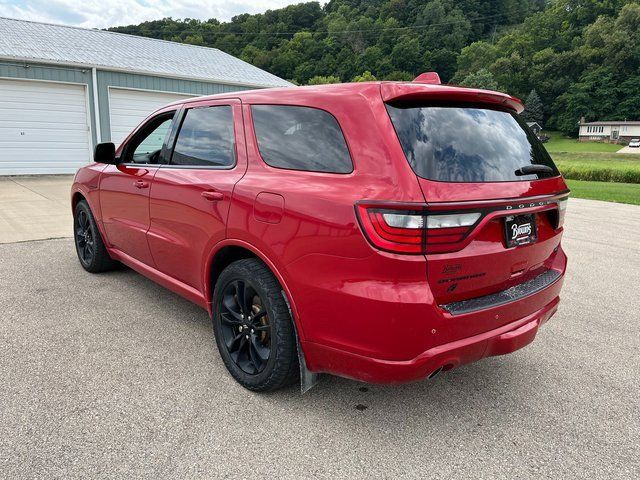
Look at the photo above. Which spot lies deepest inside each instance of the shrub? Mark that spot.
(599, 173)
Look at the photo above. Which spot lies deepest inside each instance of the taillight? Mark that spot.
(404, 230)
(562, 209)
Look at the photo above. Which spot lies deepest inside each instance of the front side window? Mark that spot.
(468, 144)
(206, 138)
(300, 138)
(146, 146)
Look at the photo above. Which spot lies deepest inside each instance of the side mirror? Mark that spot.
(105, 153)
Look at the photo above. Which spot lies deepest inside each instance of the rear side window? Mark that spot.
(205, 138)
(465, 144)
(300, 138)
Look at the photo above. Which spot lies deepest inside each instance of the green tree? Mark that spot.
(446, 25)
(474, 57)
(399, 76)
(581, 56)
(533, 108)
(483, 78)
(319, 80)
(366, 76)
(371, 59)
(442, 61)
(407, 55)
(595, 96)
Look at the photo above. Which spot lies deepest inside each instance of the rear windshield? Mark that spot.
(467, 144)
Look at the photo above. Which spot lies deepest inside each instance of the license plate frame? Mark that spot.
(520, 230)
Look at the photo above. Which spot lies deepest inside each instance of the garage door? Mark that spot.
(127, 108)
(44, 127)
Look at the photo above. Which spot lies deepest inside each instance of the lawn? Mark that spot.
(593, 170)
(559, 143)
(607, 191)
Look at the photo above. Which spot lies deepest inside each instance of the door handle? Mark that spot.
(213, 196)
(141, 184)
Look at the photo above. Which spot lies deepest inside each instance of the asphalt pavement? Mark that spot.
(112, 376)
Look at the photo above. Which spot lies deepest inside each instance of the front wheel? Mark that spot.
(90, 248)
(253, 328)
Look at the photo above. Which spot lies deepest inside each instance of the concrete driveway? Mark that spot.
(628, 149)
(35, 207)
(112, 376)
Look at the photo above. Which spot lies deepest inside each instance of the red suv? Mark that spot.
(380, 231)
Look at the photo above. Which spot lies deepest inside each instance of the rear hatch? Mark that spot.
(494, 199)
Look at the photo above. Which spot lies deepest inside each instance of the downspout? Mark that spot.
(96, 110)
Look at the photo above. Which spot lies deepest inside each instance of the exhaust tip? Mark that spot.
(434, 373)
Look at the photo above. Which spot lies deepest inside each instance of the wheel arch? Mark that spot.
(227, 252)
(78, 194)
(77, 197)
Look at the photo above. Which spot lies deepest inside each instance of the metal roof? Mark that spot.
(23, 40)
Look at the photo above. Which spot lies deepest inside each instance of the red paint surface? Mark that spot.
(360, 312)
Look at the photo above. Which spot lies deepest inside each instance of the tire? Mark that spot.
(90, 248)
(249, 286)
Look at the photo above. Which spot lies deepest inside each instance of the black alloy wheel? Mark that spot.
(91, 251)
(253, 327)
(245, 329)
(85, 235)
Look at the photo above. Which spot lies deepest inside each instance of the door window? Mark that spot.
(146, 146)
(206, 138)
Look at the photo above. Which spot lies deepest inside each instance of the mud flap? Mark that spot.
(308, 379)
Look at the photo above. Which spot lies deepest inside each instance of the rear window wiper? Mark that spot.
(529, 169)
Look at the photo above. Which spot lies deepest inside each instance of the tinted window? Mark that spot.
(205, 138)
(458, 144)
(300, 138)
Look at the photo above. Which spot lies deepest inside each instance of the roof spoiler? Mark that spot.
(424, 91)
(432, 78)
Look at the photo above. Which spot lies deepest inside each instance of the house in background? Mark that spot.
(535, 127)
(63, 89)
(609, 132)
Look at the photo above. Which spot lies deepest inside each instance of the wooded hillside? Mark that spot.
(582, 57)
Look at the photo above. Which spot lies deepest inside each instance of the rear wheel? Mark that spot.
(253, 328)
(90, 248)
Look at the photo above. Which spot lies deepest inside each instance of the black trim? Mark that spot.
(173, 138)
(170, 141)
(515, 293)
(198, 167)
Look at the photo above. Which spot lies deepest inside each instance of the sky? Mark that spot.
(111, 13)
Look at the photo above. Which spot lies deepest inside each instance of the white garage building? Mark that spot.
(64, 89)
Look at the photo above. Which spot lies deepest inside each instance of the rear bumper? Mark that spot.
(499, 341)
